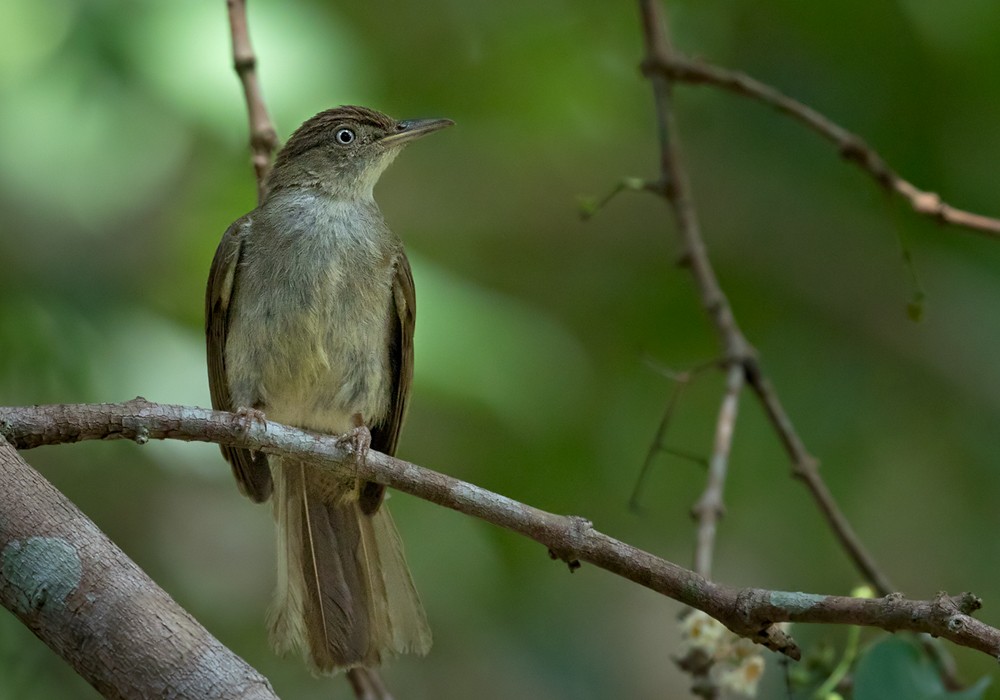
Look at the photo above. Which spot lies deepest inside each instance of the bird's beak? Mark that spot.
(411, 129)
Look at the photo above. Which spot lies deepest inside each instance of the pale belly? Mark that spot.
(317, 365)
(329, 382)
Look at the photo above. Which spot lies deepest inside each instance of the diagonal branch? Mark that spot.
(263, 138)
(674, 187)
(674, 67)
(82, 596)
(749, 612)
(805, 467)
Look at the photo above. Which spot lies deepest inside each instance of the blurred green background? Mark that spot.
(123, 158)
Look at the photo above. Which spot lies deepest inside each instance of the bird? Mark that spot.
(310, 313)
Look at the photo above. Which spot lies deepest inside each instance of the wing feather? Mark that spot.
(385, 435)
(250, 469)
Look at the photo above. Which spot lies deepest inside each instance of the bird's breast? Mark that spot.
(314, 320)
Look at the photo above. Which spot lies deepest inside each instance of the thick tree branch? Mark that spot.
(748, 612)
(675, 67)
(82, 596)
(674, 187)
(263, 138)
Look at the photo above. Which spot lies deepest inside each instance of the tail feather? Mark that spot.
(405, 629)
(286, 617)
(344, 595)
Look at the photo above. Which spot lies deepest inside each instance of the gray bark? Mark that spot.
(82, 596)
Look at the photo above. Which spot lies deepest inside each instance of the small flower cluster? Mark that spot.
(736, 663)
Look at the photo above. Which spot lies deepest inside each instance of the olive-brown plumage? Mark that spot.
(310, 314)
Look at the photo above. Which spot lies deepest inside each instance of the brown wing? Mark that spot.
(250, 469)
(385, 435)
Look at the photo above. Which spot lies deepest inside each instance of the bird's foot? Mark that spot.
(244, 418)
(358, 440)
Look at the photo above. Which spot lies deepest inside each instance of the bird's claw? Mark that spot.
(358, 440)
(244, 418)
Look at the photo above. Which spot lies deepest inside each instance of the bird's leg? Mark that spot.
(244, 418)
(358, 439)
(367, 684)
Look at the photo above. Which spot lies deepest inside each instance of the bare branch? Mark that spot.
(675, 67)
(748, 612)
(82, 596)
(805, 467)
(263, 138)
(677, 191)
(710, 507)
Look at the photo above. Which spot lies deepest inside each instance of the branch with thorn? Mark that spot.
(739, 355)
(663, 66)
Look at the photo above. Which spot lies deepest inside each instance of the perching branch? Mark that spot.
(674, 187)
(747, 612)
(676, 67)
(263, 138)
(82, 596)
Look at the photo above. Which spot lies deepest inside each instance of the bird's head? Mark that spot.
(344, 150)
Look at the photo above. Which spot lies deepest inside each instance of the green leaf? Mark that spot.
(897, 668)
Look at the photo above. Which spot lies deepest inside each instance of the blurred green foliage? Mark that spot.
(894, 668)
(123, 158)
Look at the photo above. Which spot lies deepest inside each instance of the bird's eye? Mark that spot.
(344, 136)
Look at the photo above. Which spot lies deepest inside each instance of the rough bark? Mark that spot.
(88, 601)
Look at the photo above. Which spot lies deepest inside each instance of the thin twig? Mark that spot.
(698, 459)
(710, 507)
(676, 190)
(263, 138)
(748, 612)
(675, 67)
(681, 380)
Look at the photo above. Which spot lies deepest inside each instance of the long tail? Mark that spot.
(344, 594)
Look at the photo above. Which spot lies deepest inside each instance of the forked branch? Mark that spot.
(675, 188)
